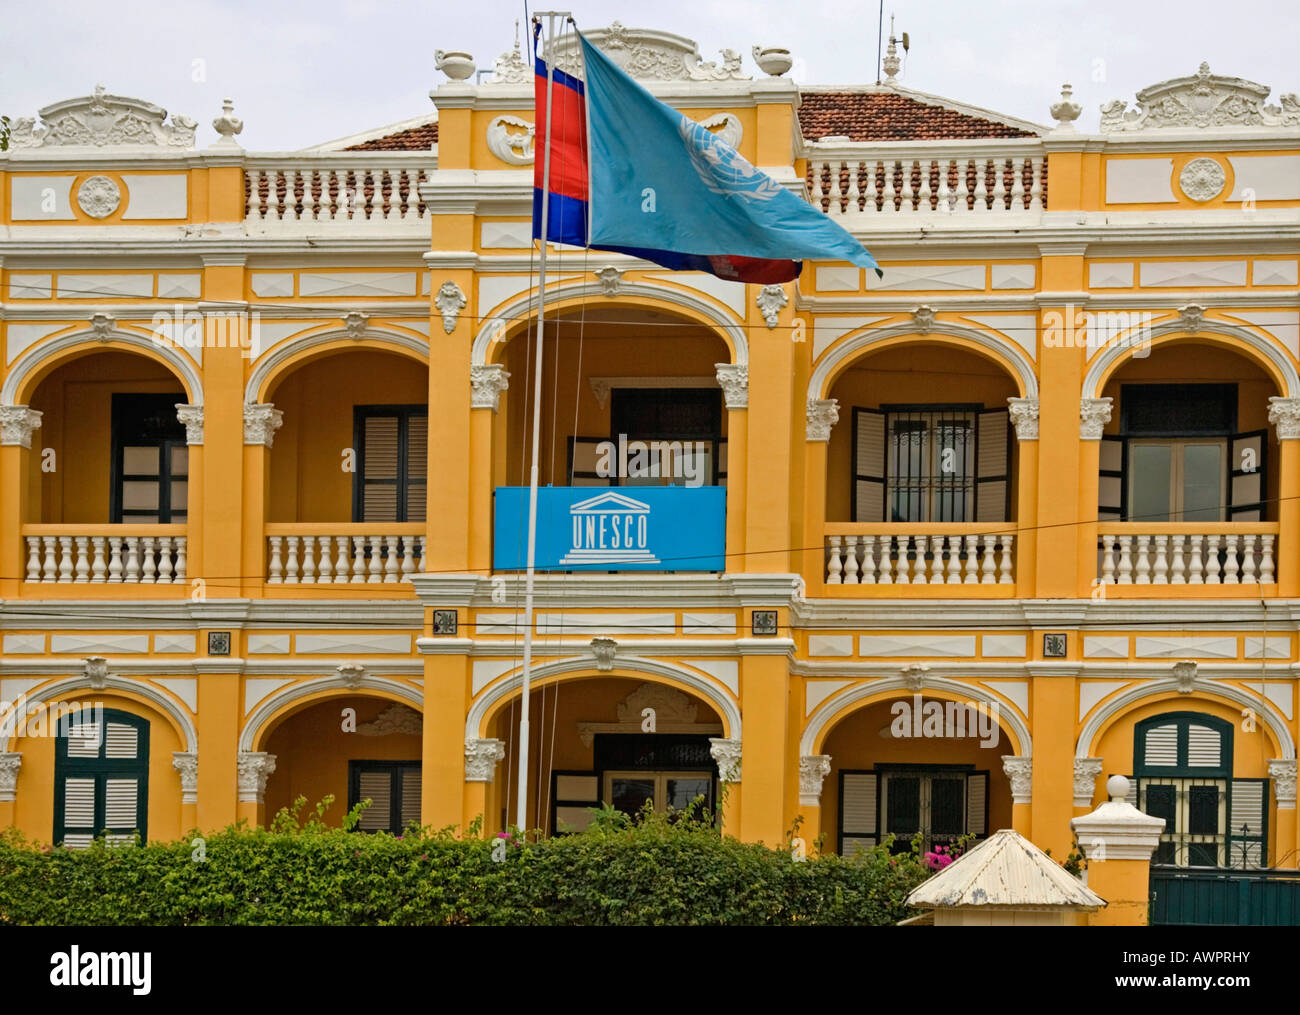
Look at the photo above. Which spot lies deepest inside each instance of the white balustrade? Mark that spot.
(331, 559)
(966, 559)
(99, 560)
(338, 187)
(1214, 558)
(970, 178)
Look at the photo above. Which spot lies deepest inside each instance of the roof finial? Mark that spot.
(891, 62)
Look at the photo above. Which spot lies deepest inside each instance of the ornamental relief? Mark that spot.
(1202, 179)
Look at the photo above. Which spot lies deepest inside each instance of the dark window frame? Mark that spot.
(122, 405)
(402, 482)
(101, 769)
(396, 770)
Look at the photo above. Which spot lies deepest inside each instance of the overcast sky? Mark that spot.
(302, 73)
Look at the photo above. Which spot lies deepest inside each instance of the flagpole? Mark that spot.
(521, 809)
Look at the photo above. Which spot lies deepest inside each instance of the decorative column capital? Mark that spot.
(1019, 771)
(1282, 771)
(727, 754)
(1094, 414)
(1283, 413)
(822, 415)
(187, 764)
(450, 301)
(1117, 830)
(481, 757)
(16, 425)
(261, 421)
(11, 761)
(733, 378)
(1086, 771)
(770, 301)
(813, 769)
(255, 767)
(192, 417)
(1024, 417)
(486, 384)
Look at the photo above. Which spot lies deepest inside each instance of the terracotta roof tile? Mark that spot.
(413, 139)
(889, 116)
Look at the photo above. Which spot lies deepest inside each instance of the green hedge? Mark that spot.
(616, 873)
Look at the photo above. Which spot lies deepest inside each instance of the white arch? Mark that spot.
(706, 688)
(521, 307)
(43, 351)
(1169, 685)
(290, 347)
(821, 719)
(1005, 350)
(155, 695)
(1116, 351)
(269, 706)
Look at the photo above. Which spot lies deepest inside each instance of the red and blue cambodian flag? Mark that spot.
(632, 175)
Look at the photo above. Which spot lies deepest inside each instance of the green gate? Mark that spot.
(1224, 898)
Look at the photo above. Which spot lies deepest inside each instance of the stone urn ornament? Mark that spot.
(456, 65)
(773, 60)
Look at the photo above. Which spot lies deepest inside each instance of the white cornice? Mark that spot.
(252, 614)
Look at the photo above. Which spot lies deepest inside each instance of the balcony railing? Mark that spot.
(919, 554)
(1137, 553)
(362, 190)
(106, 554)
(344, 553)
(947, 179)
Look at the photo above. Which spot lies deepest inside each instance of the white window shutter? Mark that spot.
(121, 797)
(123, 741)
(1204, 747)
(1161, 747)
(868, 465)
(79, 803)
(858, 794)
(1247, 822)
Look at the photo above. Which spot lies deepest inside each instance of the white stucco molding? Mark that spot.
(709, 690)
(1009, 355)
(186, 764)
(481, 757)
(155, 695)
(1168, 687)
(813, 769)
(1114, 353)
(39, 356)
(1283, 773)
(834, 708)
(268, 364)
(10, 763)
(726, 753)
(1019, 770)
(511, 314)
(253, 768)
(1086, 771)
(256, 721)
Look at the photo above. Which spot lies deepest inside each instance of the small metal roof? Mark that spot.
(1005, 870)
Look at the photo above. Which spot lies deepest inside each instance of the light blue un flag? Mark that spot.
(665, 189)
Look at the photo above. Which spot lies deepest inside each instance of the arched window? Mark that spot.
(101, 777)
(1183, 768)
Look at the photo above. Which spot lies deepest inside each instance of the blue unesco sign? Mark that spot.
(638, 528)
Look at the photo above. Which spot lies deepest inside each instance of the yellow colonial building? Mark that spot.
(1021, 515)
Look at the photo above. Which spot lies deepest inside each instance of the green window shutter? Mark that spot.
(1247, 822)
(868, 492)
(859, 817)
(101, 779)
(977, 804)
(993, 465)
